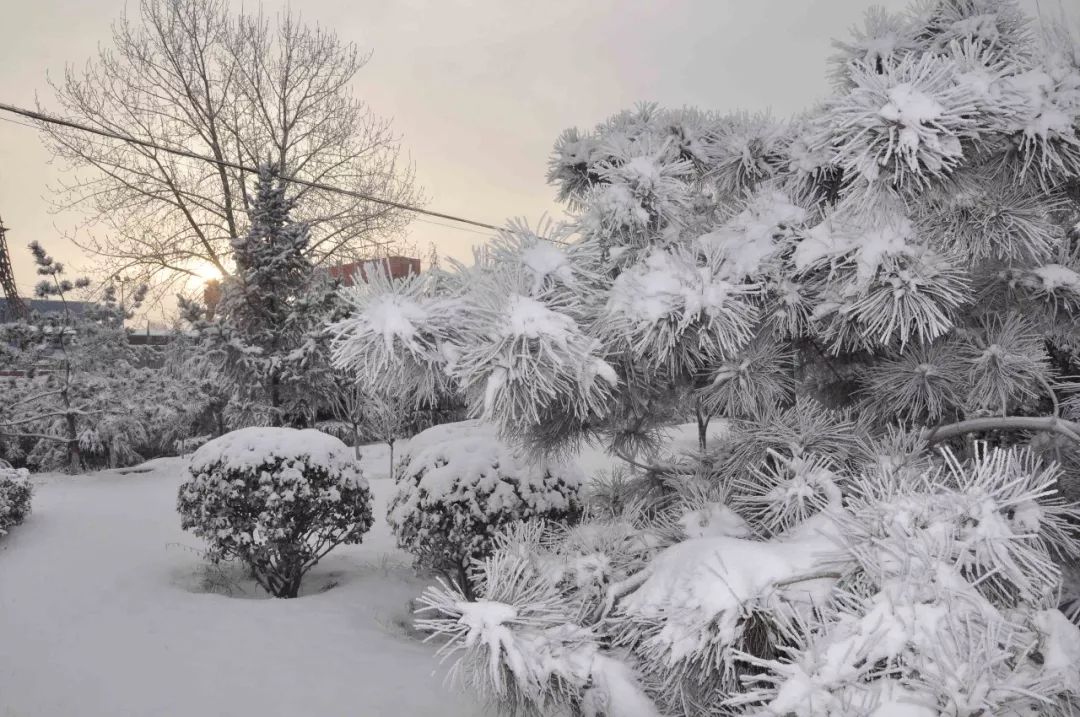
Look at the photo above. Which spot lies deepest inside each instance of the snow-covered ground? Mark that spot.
(105, 611)
(108, 609)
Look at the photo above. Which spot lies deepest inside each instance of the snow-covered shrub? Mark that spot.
(15, 493)
(278, 499)
(458, 485)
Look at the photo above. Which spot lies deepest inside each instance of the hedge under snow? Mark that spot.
(459, 485)
(15, 493)
(278, 499)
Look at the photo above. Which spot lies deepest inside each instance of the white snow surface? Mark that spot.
(104, 613)
(393, 316)
(1050, 104)
(714, 520)
(700, 585)
(459, 459)
(1060, 645)
(249, 448)
(1056, 276)
(751, 237)
(870, 245)
(533, 319)
(544, 259)
(666, 285)
(911, 109)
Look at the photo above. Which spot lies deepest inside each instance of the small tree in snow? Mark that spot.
(264, 334)
(458, 486)
(348, 403)
(84, 398)
(209, 392)
(277, 499)
(388, 419)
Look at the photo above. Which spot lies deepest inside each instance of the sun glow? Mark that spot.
(204, 271)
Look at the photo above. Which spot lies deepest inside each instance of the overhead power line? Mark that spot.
(42, 117)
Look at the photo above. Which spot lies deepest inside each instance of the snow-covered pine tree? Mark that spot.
(208, 392)
(880, 297)
(264, 333)
(84, 396)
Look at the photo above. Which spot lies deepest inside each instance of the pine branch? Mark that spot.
(31, 399)
(1051, 393)
(653, 468)
(822, 575)
(618, 591)
(1050, 424)
(40, 416)
(42, 436)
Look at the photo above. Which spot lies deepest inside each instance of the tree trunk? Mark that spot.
(290, 588)
(463, 582)
(391, 474)
(702, 426)
(72, 435)
(275, 401)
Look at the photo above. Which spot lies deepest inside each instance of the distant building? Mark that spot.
(396, 266)
(44, 307)
(151, 336)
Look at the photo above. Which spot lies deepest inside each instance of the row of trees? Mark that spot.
(86, 397)
(75, 371)
(239, 89)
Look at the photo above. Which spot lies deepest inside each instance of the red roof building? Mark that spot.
(397, 266)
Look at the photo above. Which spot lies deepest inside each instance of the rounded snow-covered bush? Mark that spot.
(277, 499)
(458, 485)
(15, 493)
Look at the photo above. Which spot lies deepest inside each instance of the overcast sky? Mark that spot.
(479, 90)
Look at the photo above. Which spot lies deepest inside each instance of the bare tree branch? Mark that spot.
(239, 90)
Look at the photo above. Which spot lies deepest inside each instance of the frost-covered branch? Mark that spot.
(1052, 424)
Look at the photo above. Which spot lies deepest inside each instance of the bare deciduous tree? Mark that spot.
(188, 74)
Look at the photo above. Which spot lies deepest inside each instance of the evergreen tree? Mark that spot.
(264, 334)
(84, 396)
(880, 297)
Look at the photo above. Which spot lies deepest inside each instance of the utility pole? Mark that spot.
(15, 307)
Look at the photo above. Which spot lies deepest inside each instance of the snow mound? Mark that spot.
(544, 259)
(669, 286)
(393, 317)
(458, 484)
(450, 460)
(249, 448)
(532, 319)
(700, 588)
